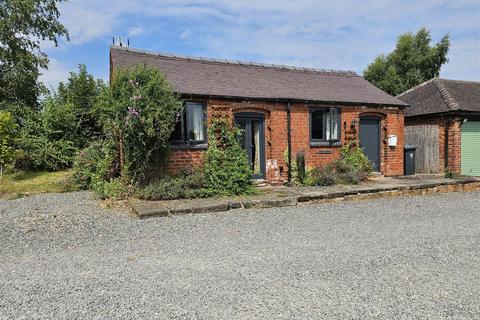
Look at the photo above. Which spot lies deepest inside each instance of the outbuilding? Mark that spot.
(444, 123)
(280, 108)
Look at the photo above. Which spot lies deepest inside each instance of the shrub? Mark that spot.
(324, 176)
(227, 170)
(115, 189)
(297, 168)
(139, 111)
(300, 170)
(354, 155)
(95, 163)
(185, 185)
(336, 172)
(8, 129)
(345, 172)
(40, 153)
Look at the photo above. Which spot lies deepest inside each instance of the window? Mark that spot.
(190, 128)
(324, 125)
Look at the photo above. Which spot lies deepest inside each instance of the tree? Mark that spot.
(71, 111)
(7, 133)
(23, 25)
(413, 61)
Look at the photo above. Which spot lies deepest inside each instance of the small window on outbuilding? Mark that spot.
(190, 127)
(324, 125)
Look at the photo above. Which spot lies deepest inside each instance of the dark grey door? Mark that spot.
(253, 141)
(370, 140)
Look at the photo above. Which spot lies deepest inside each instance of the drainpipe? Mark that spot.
(446, 144)
(289, 142)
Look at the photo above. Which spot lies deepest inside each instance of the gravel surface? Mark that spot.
(63, 256)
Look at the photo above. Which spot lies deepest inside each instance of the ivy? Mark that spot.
(227, 170)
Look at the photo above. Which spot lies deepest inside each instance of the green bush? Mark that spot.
(40, 153)
(324, 176)
(185, 185)
(297, 168)
(354, 155)
(227, 170)
(300, 169)
(345, 172)
(8, 129)
(115, 189)
(94, 164)
(139, 111)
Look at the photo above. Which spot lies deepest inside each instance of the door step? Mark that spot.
(258, 183)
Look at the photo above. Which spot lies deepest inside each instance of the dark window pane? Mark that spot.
(317, 125)
(177, 133)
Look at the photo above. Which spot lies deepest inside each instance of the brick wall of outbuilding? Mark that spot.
(392, 123)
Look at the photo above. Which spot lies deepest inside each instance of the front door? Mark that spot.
(253, 141)
(370, 140)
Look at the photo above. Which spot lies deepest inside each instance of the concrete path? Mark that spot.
(378, 187)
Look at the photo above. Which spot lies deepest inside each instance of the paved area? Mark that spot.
(64, 257)
(280, 196)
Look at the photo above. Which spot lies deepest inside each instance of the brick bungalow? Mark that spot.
(310, 110)
(450, 111)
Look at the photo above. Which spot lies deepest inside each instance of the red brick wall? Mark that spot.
(392, 122)
(454, 140)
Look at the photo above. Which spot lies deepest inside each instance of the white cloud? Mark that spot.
(85, 24)
(340, 34)
(185, 34)
(135, 31)
(56, 72)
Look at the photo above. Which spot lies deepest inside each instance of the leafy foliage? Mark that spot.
(74, 105)
(336, 172)
(94, 163)
(352, 168)
(40, 153)
(50, 138)
(23, 25)
(297, 167)
(7, 134)
(352, 154)
(186, 185)
(227, 170)
(138, 111)
(413, 61)
(320, 176)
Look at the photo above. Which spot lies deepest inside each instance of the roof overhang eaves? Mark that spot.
(297, 100)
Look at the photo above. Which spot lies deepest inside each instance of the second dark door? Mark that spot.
(370, 140)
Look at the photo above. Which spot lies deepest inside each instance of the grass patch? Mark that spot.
(19, 184)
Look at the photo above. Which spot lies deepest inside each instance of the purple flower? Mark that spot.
(133, 112)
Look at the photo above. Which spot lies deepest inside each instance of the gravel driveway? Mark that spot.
(64, 257)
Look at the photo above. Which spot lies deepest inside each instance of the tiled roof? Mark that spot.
(237, 79)
(442, 95)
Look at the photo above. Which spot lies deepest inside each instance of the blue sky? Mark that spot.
(325, 34)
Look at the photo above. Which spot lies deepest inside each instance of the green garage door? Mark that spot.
(471, 148)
